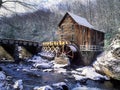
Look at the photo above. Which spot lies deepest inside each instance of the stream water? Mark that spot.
(36, 77)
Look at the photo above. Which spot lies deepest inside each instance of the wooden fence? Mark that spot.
(91, 48)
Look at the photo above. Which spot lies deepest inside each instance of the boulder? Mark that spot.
(85, 88)
(43, 65)
(60, 86)
(18, 85)
(47, 87)
(88, 72)
(63, 60)
(108, 62)
(2, 79)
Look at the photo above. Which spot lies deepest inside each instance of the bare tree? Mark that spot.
(22, 3)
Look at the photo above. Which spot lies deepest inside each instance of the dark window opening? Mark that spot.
(72, 38)
(72, 27)
(61, 36)
(83, 33)
(62, 28)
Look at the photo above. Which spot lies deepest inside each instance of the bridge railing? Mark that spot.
(19, 42)
(91, 48)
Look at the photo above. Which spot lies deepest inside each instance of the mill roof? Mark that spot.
(79, 20)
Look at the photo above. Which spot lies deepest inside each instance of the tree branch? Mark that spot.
(18, 2)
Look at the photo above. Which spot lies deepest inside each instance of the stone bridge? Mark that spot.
(15, 50)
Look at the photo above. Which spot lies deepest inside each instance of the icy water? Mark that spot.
(34, 77)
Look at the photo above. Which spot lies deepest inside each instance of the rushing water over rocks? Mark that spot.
(40, 74)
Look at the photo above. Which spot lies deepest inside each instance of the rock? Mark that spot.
(79, 78)
(47, 87)
(60, 70)
(43, 65)
(62, 60)
(2, 79)
(85, 88)
(88, 72)
(48, 70)
(108, 62)
(61, 86)
(18, 85)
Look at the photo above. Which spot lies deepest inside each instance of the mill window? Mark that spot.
(62, 28)
(61, 36)
(83, 38)
(72, 27)
(72, 37)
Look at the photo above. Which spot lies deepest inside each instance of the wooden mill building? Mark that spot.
(79, 31)
(81, 34)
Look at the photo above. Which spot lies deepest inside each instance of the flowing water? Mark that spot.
(36, 77)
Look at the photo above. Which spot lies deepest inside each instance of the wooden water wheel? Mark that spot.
(68, 51)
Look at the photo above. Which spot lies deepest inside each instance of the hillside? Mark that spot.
(103, 14)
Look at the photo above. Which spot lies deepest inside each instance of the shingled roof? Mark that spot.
(80, 20)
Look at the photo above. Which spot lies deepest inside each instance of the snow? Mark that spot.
(2, 79)
(80, 20)
(78, 77)
(88, 72)
(59, 65)
(47, 54)
(47, 87)
(36, 59)
(60, 85)
(18, 85)
(60, 70)
(40, 62)
(2, 75)
(85, 88)
(43, 65)
(73, 48)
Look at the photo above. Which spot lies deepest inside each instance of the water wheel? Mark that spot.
(68, 51)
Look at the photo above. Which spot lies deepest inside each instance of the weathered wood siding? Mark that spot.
(97, 38)
(65, 29)
(81, 35)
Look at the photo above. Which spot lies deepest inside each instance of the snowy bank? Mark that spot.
(87, 73)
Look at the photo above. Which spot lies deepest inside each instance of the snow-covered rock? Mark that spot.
(47, 70)
(108, 62)
(47, 55)
(85, 88)
(90, 73)
(78, 77)
(18, 85)
(60, 70)
(47, 87)
(43, 65)
(59, 65)
(61, 86)
(87, 73)
(37, 59)
(2, 79)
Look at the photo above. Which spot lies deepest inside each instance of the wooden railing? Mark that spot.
(91, 48)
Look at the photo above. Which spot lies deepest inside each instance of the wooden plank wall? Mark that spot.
(67, 28)
(82, 35)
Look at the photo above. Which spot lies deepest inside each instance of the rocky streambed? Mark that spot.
(41, 74)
